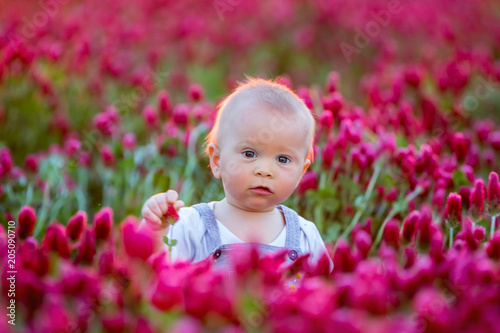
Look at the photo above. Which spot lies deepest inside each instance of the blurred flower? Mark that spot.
(410, 226)
(129, 141)
(453, 210)
(477, 201)
(149, 116)
(55, 240)
(493, 194)
(309, 182)
(102, 222)
(31, 163)
(180, 114)
(164, 103)
(137, 243)
(460, 147)
(107, 156)
(195, 92)
(86, 248)
(26, 220)
(76, 224)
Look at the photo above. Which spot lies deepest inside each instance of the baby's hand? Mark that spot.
(156, 207)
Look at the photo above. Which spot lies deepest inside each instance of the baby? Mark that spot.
(260, 146)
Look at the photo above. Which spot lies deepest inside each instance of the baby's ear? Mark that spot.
(307, 163)
(214, 154)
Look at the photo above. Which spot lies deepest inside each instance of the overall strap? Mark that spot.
(292, 227)
(208, 217)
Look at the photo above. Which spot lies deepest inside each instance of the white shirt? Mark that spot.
(192, 236)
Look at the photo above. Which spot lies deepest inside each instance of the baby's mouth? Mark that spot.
(261, 189)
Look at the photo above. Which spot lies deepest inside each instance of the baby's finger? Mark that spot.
(172, 196)
(178, 204)
(151, 218)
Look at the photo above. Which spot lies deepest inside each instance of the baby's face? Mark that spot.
(261, 156)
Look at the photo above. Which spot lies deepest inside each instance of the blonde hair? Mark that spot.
(269, 93)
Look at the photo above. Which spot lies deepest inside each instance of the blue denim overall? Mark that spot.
(221, 252)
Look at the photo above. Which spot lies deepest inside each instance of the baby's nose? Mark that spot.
(263, 170)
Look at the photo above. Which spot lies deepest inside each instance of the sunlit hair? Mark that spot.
(267, 93)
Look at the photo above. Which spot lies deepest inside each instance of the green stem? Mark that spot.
(450, 241)
(43, 211)
(395, 210)
(492, 226)
(359, 213)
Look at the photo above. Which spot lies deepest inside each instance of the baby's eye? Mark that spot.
(283, 159)
(249, 154)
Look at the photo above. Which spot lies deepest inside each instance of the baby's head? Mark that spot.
(261, 144)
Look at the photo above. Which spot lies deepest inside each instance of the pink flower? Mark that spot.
(164, 103)
(150, 117)
(195, 92)
(326, 120)
(410, 226)
(332, 82)
(31, 163)
(327, 155)
(343, 259)
(391, 233)
(493, 194)
(453, 209)
(137, 243)
(76, 224)
(5, 161)
(308, 182)
(493, 247)
(166, 292)
(72, 146)
(26, 220)
(460, 147)
(86, 249)
(465, 195)
(102, 222)
(180, 114)
(129, 141)
(107, 156)
(363, 242)
(55, 240)
(477, 200)
(333, 102)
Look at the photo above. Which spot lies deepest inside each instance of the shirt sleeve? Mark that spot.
(188, 231)
(311, 241)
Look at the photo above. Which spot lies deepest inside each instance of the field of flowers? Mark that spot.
(105, 103)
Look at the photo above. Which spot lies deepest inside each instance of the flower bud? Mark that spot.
(332, 82)
(465, 195)
(410, 225)
(493, 247)
(453, 215)
(460, 147)
(107, 156)
(86, 249)
(31, 163)
(76, 224)
(26, 220)
(102, 222)
(391, 233)
(129, 141)
(149, 116)
(195, 92)
(55, 240)
(180, 114)
(326, 120)
(164, 103)
(493, 194)
(477, 201)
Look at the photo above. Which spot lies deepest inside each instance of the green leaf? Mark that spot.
(165, 240)
(173, 242)
(459, 178)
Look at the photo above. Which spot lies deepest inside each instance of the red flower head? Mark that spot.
(332, 82)
(465, 195)
(326, 120)
(493, 247)
(477, 200)
(103, 220)
(86, 250)
(129, 141)
(333, 102)
(327, 156)
(164, 103)
(195, 92)
(31, 163)
(76, 224)
(308, 182)
(171, 215)
(460, 147)
(180, 114)
(493, 194)
(107, 156)
(26, 220)
(410, 225)
(55, 240)
(138, 243)
(391, 233)
(453, 214)
(149, 116)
